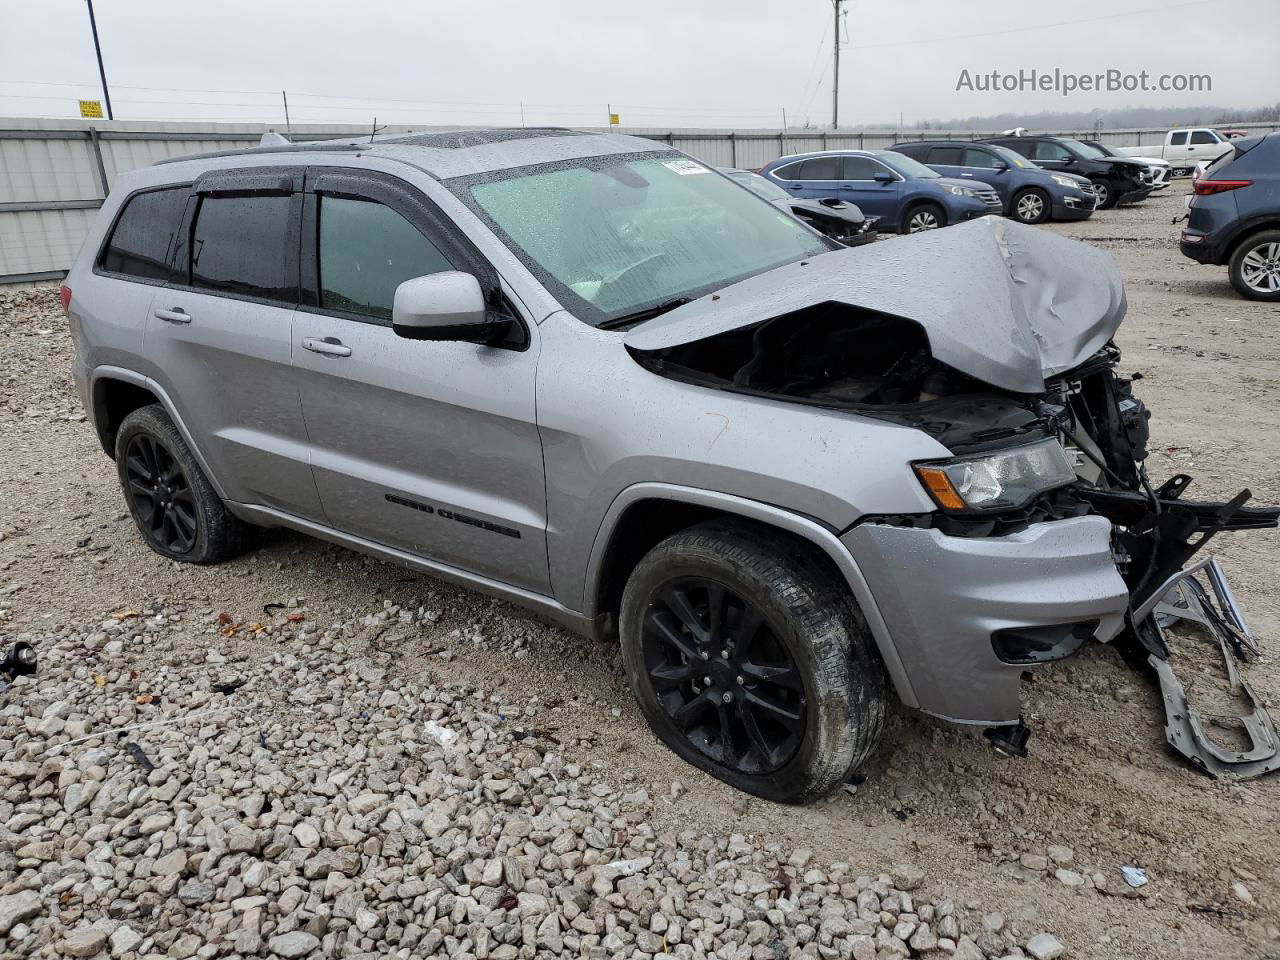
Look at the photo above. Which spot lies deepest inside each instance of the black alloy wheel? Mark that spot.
(724, 678)
(161, 494)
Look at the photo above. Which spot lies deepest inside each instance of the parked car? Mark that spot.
(1234, 216)
(1159, 169)
(1029, 194)
(586, 373)
(1114, 181)
(1182, 147)
(836, 219)
(907, 196)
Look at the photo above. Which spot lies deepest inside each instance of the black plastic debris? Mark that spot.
(19, 660)
(140, 758)
(229, 686)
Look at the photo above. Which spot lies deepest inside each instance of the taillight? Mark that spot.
(64, 293)
(1205, 188)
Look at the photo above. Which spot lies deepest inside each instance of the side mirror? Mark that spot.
(883, 177)
(1068, 159)
(1001, 166)
(445, 306)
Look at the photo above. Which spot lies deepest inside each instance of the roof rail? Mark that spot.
(283, 148)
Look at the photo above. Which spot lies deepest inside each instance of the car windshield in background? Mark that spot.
(616, 239)
(760, 186)
(901, 163)
(1105, 150)
(1093, 153)
(1009, 157)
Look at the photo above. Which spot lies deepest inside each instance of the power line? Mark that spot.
(1041, 26)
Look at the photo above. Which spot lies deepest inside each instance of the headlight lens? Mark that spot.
(1003, 480)
(962, 191)
(1067, 182)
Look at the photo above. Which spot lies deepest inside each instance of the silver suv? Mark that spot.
(593, 376)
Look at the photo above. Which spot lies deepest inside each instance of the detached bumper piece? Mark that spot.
(1188, 600)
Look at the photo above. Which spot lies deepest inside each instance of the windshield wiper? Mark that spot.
(648, 313)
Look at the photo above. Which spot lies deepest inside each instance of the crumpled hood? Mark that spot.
(1005, 303)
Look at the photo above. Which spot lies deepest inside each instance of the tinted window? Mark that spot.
(790, 172)
(946, 156)
(1178, 139)
(240, 245)
(139, 244)
(820, 168)
(1048, 150)
(1020, 147)
(1203, 136)
(914, 151)
(366, 251)
(861, 168)
(980, 158)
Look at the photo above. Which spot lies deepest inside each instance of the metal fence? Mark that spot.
(54, 174)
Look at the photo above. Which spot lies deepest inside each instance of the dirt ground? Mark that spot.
(1099, 778)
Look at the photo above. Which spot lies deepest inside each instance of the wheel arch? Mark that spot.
(1245, 232)
(115, 392)
(914, 203)
(645, 514)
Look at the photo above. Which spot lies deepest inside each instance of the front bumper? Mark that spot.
(1071, 206)
(943, 600)
(1133, 195)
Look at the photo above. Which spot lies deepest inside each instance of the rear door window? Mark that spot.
(239, 245)
(820, 168)
(1178, 139)
(945, 156)
(366, 251)
(140, 242)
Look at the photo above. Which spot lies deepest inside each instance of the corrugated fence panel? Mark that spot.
(48, 160)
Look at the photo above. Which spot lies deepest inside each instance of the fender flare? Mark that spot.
(807, 529)
(107, 372)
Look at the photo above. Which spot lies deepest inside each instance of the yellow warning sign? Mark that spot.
(613, 120)
(91, 108)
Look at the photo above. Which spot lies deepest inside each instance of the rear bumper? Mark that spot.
(1201, 250)
(944, 600)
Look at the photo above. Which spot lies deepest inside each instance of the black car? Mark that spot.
(1235, 216)
(1115, 179)
(834, 218)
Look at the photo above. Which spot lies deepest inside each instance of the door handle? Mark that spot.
(329, 346)
(966, 174)
(176, 315)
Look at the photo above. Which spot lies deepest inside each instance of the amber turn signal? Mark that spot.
(939, 485)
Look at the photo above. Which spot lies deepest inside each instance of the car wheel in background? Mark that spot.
(1255, 266)
(924, 216)
(177, 511)
(1104, 199)
(750, 660)
(1031, 206)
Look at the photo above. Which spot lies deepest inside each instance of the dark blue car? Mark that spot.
(1029, 193)
(1235, 216)
(907, 196)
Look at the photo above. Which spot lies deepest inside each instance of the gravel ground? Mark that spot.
(306, 752)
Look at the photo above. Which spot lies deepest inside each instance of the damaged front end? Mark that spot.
(1048, 531)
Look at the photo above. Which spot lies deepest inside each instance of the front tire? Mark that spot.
(1104, 196)
(1255, 267)
(176, 509)
(751, 661)
(924, 216)
(1031, 206)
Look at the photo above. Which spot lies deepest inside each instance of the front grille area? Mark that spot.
(990, 198)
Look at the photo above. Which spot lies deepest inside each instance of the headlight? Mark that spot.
(1003, 480)
(1067, 182)
(961, 191)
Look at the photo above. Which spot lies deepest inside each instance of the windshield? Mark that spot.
(1084, 149)
(1009, 157)
(901, 163)
(615, 236)
(1105, 150)
(760, 186)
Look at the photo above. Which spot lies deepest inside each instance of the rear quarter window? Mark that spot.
(143, 233)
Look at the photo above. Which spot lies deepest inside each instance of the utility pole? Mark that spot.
(106, 94)
(835, 69)
(284, 95)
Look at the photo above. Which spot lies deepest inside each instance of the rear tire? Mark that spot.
(780, 694)
(1031, 205)
(176, 509)
(923, 216)
(1105, 196)
(1254, 268)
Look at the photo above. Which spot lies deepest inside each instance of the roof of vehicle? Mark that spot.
(454, 153)
(824, 153)
(936, 143)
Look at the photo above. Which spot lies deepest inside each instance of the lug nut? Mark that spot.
(724, 654)
(706, 681)
(727, 697)
(705, 655)
(741, 681)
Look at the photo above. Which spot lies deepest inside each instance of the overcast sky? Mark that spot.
(658, 63)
